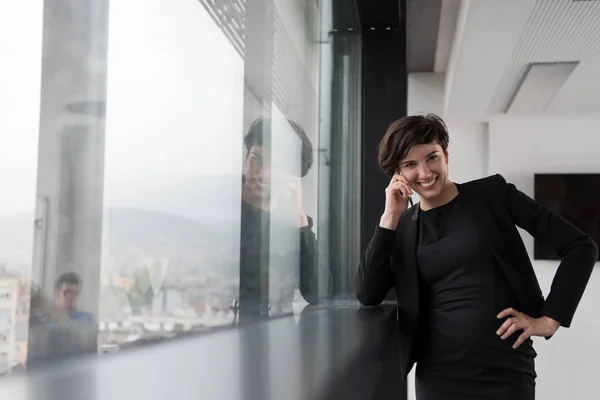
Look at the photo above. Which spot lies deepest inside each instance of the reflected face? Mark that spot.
(67, 295)
(258, 172)
(426, 169)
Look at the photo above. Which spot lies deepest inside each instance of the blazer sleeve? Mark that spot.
(374, 275)
(311, 273)
(577, 250)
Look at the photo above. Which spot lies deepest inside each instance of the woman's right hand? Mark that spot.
(396, 201)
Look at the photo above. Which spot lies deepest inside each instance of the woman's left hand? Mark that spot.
(543, 326)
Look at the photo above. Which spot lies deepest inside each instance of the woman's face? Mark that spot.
(258, 172)
(266, 173)
(426, 169)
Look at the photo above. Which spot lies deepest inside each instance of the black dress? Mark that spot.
(257, 262)
(459, 355)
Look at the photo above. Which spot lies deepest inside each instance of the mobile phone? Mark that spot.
(410, 200)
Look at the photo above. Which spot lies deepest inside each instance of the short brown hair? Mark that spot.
(259, 134)
(407, 132)
(70, 278)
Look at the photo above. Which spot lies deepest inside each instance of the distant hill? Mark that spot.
(136, 234)
(188, 244)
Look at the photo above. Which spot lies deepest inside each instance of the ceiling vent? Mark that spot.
(540, 83)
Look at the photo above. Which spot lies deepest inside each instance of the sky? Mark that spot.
(20, 75)
(174, 98)
(175, 91)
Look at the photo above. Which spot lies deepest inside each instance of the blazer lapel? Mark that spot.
(412, 275)
(408, 255)
(407, 285)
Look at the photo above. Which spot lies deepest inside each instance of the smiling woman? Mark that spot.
(468, 298)
(420, 155)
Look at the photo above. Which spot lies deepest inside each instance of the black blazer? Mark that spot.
(390, 258)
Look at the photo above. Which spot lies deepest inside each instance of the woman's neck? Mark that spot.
(448, 193)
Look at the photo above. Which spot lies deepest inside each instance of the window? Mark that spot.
(179, 190)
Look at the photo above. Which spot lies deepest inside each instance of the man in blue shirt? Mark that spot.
(57, 329)
(67, 290)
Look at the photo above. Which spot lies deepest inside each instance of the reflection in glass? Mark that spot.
(278, 244)
(58, 328)
(178, 189)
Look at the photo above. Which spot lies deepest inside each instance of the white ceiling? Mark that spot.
(496, 41)
(447, 27)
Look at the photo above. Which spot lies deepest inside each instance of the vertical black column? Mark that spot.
(385, 95)
(384, 100)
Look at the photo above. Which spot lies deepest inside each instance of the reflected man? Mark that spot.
(57, 329)
(67, 290)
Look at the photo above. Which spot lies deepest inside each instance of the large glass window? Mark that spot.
(171, 210)
(169, 164)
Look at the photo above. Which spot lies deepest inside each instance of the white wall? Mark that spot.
(468, 150)
(566, 364)
(426, 92)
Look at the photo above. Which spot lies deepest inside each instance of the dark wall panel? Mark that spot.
(384, 100)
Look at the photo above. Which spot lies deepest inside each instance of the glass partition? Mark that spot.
(171, 169)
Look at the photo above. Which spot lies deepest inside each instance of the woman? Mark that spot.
(468, 298)
(273, 218)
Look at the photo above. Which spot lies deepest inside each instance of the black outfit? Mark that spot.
(256, 262)
(489, 210)
(459, 355)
